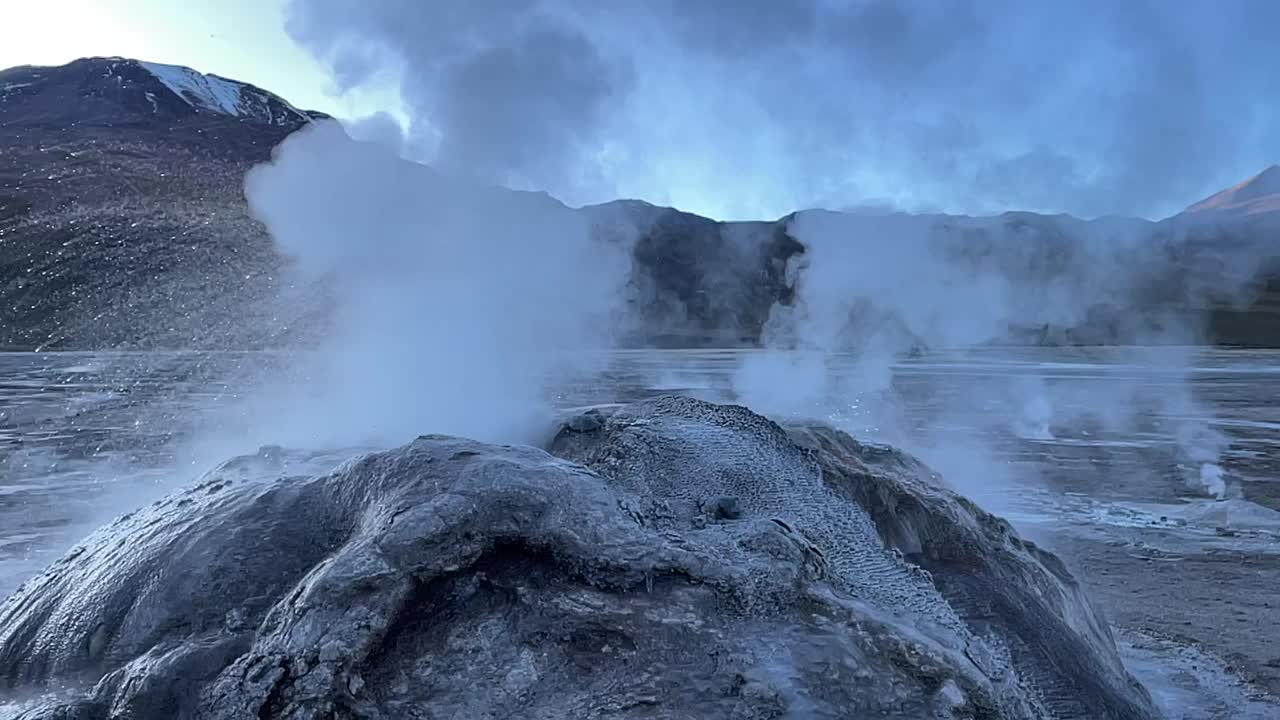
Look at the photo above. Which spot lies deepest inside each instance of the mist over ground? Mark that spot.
(468, 309)
(466, 287)
(456, 298)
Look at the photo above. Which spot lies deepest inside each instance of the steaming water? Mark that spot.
(1052, 439)
(1021, 431)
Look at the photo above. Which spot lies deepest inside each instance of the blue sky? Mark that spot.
(751, 108)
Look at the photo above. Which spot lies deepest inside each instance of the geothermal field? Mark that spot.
(640, 360)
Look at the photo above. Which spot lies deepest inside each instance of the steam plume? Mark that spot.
(459, 307)
(753, 109)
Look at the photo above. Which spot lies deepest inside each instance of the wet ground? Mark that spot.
(1155, 473)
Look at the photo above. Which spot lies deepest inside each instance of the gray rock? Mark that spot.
(450, 578)
(889, 535)
(585, 422)
(724, 508)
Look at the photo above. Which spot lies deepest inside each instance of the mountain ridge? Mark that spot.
(1259, 194)
(141, 88)
(123, 224)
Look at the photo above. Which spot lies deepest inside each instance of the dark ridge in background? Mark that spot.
(123, 225)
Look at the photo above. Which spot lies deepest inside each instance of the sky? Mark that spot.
(240, 39)
(751, 108)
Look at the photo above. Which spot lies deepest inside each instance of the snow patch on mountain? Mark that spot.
(197, 89)
(228, 97)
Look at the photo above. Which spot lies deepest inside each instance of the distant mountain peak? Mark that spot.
(1266, 182)
(1259, 194)
(137, 89)
(228, 97)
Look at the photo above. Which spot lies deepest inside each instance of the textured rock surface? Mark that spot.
(708, 564)
(889, 535)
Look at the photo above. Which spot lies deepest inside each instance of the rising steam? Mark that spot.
(871, 290)
(458, 308)
(454, 300)
(754, 109)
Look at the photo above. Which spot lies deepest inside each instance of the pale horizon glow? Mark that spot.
(238, 39)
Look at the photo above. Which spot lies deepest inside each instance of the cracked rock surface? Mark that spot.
(671, 558)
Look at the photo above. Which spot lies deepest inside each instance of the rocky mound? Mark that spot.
(679, 559)
(888, 534)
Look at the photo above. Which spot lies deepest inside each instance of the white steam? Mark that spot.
(873, 290)
(458, 308)
(876, 288)
(753, 108)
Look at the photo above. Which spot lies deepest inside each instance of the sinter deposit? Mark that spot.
(669, 558)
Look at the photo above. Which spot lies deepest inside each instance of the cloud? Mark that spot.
(756, 108)
(498, 91)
